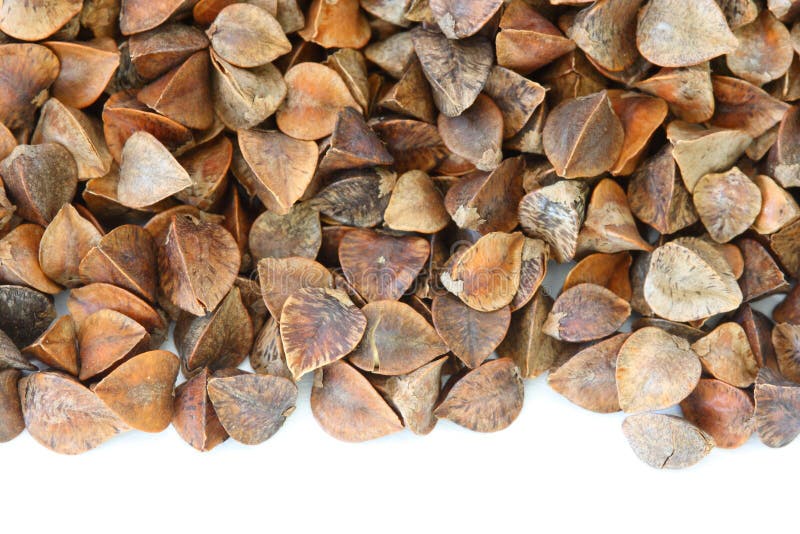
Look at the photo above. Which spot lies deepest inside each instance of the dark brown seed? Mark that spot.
(726, 354)
(86, 300)
(414, 395)
(688, 279)
(199, 263)
(221, 339)
(65, 416)
(606, 270)
(586, 312)
(348, 407)
(397, 340)
(359, 198)
(786, 340)
(11, 357)
(57, 346)
(125, 257)
(487, 202)
(65, 242)
(414, 145)
(382, 267)
(758, 329)
(252, 408)
(722, 411)
(319, 326)
(298, 234)
(194, 417)
(777, 418)
(470, 334)
(11, 421)
(673, 34)
(657, 196)
(655, 370)
(532, 350)
(665, 441)
(24, 314)
(555, 214)
(353, 145)
(39, 180)
(267, 356)
(583, 137)
(486, 399)
(588, 379)
(761, 276)
(457, 70)
(106, 338)
(140, 391)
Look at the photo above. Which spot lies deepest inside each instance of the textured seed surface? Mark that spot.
(666, 441)
(252, 408)
(487, 399)
(65, 416)
(655, 370)
(348, 407)
(319, 326)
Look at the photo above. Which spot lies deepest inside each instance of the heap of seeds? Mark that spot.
(370, 193)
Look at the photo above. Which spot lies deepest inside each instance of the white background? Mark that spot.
(557, 468)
